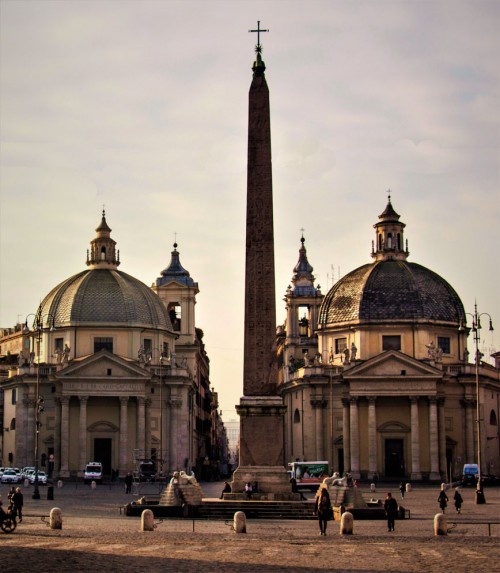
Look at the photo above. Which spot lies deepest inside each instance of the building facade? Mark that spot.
(376, 374)
(113, 371)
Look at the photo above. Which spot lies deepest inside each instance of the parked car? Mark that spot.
(42, 478)
(25, 473)
(10, 476)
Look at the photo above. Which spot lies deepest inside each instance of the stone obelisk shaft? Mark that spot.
(261, 410)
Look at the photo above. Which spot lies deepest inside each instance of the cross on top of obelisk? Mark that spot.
(258, 47)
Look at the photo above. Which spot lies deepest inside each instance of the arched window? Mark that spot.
(493, 418)
(399, 241)
(380, 242)
(389, 241)
(103, 253)
(296, 416)
(13, 424)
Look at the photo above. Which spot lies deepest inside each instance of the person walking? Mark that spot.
(323, 509)
(391, 510)
(402, 489)
(457, 498)
(128, 483)
(442, 500)
(18, 502)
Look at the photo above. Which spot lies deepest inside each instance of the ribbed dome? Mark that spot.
(106, 297)
(391, 290)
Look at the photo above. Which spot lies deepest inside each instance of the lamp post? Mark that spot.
(476, 332)
(330, 361)
(161, 359)
(37, 329)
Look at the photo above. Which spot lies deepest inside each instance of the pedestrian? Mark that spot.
(18, 502)
(248, 490)
(225, 489)
(11, 493)
(323, 509)
(442, 500)
(128, 483)
(402, 488)
(457, 498)
(391, 510)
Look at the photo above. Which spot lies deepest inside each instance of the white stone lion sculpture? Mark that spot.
(336, 480)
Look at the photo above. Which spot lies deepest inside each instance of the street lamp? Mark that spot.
(330, 361)
(37, 329)
(476, 332)
(161, 360)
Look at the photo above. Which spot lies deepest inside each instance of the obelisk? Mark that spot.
(261, 409)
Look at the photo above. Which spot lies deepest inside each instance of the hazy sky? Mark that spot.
(143, 105)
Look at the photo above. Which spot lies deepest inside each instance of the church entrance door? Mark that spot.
(394, 458)
(102, 453)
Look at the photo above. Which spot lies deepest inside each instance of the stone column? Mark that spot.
(442, 439)
(21, 446)
(123, 434)
(64, 437)
(346, 435)
(30, 431)
(353, 412)
(318, 408)
(57, 435)
(174, 404)
(433, 440)
(372, 436)
(416, 473)
(141, 427)
(82, 436)
(147, 404)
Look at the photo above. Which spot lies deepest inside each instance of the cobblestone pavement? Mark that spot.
(95, 537)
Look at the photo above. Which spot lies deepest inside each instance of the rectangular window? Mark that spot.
(391, 342)
(165, 350)
(148, 346)
(101, 343)
(340, 345)
(59, 342)
(444, 344)
(14, 396)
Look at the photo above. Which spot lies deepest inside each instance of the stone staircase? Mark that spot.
(215, 509)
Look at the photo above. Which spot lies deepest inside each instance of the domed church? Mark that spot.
(121, 371)
(376, 374)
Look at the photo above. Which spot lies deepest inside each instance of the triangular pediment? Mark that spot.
(103, 365)
(392, 364)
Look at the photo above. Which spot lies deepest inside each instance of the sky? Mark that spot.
(142, 106)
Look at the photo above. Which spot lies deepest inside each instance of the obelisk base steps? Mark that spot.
(273, 482)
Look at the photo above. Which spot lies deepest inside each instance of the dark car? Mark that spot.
(147, 471)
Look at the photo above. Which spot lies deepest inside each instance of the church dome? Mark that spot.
(104, 296)
(391, 288)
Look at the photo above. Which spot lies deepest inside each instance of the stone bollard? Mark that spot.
(59, 483)
(346, 523)
(240, 522)
(373, 489)
(55, 518)
(93, 484)
(26, 482)
(408, 487)
(440, 525)
(147, 520)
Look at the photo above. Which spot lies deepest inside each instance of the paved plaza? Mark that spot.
(95, 537)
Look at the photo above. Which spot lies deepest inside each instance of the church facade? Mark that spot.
(376, 374)
(113, 371)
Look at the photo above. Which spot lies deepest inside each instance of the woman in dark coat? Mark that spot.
(323, 509)
(442, 500)
(457, 498)
(18, 502)
(391, 510)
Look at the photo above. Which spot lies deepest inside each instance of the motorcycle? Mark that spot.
(8, 521)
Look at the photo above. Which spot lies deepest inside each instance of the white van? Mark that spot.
(93, 472)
